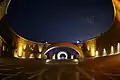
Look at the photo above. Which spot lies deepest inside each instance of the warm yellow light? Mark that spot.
(104, 52)
(20, 51)
(47, 61)
(88, 47)
(91, 46)
(39, 56)
(24, 47)
(40, 48)
(97, 54)
(112, 50)
(116, 5)
(114, 9)
(93, 52)
(75, 60)
(15, 55)
(31, 56)
(3, 48)
(20, 47)
(53, 57)
(118, 48)
(23, 57)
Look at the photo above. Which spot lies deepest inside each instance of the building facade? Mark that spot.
(102, 45)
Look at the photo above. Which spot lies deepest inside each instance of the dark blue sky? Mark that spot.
(60, 20)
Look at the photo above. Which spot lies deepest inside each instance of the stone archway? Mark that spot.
(64, 44)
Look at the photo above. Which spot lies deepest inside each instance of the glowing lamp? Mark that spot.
(47, 61)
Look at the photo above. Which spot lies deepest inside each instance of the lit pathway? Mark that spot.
(103, 68)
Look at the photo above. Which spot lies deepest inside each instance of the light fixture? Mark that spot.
(39, 56)
(31, 56)
(78, 41)
(48, 60)
(23, 57)
(75, 60)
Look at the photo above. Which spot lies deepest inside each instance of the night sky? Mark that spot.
(60, 20)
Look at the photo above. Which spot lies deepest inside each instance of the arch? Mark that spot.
(64, 44)
(62, 52)
(8, 3)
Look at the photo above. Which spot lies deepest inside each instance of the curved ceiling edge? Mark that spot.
(6, 9)
(25, 38)
(4, 4)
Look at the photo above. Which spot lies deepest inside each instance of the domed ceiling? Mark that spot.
(60, 20)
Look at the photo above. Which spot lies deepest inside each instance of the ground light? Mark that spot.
(48, 60)
(75, 60)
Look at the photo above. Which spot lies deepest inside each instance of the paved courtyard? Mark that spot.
(104, 68)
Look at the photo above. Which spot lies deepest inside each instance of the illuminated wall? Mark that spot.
(91, 46)
(64, 44)
(3, 7)
(3, 47)
(26, 49)
(116, 5)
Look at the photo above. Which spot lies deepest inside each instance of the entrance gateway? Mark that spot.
(62, 55)
(63, 51)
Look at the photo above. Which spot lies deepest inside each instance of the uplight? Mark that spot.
(75, 60)
(47, 61)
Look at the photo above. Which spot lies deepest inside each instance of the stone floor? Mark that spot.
(104, 68)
